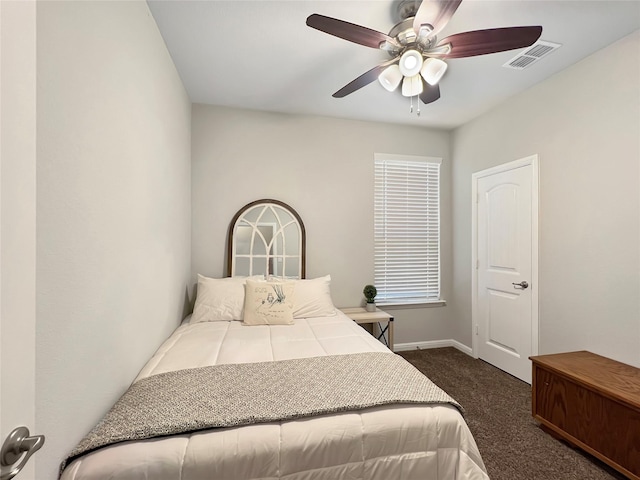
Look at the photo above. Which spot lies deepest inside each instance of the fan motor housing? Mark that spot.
(403, 26)
(406, 36)
(403, 9)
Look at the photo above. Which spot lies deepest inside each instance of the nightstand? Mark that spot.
(361, 316)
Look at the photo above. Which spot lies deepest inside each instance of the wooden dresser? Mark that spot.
(592, 402)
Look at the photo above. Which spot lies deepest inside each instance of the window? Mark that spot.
(407, 229)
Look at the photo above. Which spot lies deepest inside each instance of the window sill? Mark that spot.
(400, 305)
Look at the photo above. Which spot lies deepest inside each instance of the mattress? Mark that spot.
(380, 443)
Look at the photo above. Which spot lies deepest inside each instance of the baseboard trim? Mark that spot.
(402, 347)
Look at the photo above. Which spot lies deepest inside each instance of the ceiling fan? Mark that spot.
(417, 55)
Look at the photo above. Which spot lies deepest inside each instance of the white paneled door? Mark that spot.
(17, 239)
(505, 287)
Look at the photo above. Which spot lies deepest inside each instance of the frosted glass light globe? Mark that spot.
(410, 63)
(390, 78)
(412, 86)
(433, 70)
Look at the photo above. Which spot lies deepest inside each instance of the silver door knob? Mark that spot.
(520, 286)
(18, 444)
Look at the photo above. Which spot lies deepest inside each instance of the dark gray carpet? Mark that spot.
(498, 412)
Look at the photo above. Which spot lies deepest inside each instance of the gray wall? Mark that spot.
(584, 123)
(113, 210)
(323, 168)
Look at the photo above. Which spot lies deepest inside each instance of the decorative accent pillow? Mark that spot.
(268, 303)
(219, 299)
(312, 298)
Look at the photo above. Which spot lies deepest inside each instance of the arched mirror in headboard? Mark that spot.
(266, 237)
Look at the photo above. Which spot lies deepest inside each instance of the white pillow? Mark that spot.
(268, 303)
(219, 299)
(313, 298)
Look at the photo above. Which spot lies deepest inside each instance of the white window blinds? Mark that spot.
(407, 229)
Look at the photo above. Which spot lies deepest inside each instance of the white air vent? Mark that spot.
(532, 54)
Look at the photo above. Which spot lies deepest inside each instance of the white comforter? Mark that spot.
(382, 443)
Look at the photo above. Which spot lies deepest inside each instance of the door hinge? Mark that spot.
(477, 331)
(477, 264)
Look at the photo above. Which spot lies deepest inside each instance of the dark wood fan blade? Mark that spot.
(349, 31)
(482, 42)
(436, 13)
(364, 79)
(430, 93)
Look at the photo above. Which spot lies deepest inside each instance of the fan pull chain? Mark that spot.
(417, 106)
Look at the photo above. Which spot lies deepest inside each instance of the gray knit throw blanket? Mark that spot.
(247, 393)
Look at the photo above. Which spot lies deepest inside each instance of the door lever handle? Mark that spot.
(18, 444)
(520, 286)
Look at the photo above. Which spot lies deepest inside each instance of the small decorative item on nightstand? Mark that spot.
(370, 293)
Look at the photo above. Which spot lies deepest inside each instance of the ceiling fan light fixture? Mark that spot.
(412, 86)
(433, 69)
(410, 63)
(390, 77)
(415, 38)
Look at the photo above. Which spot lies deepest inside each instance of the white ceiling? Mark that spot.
(259, 54)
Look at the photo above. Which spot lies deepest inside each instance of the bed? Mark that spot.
(305, 342)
